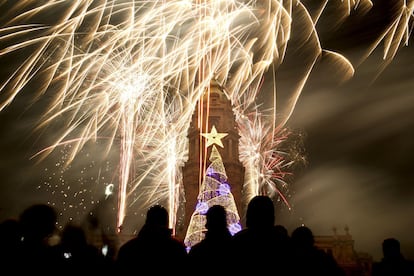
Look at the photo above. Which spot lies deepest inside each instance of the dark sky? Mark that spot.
(359, 144)
(358, 138)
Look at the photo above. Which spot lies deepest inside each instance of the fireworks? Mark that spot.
(130, 73)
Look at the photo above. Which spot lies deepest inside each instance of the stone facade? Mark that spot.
(341, 246)
(220, 115)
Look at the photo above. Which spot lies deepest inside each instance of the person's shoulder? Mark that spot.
(409, 265)
(241, 233)
(129, 244)
(176, 242)
(241, 238)
(196, 248)
(322, 254)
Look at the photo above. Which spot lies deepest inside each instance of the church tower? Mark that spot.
(213, 115)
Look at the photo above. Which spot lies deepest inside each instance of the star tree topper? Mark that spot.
(213, 137)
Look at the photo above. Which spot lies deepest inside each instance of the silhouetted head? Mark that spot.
(38, 221)
(391, 248)
(260, 212)
(281, 231)
(216, 218)
(73, 235)
(157, 216)
(302, 237)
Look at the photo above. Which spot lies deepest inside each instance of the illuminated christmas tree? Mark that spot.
(214, 190)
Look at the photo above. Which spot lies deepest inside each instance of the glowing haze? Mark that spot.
(129, 74)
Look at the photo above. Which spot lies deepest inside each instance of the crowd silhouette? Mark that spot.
(154, 248)
(261, 246)
(215, 248)
(308, 259)
(35, 253)
(76, 256)
(29, 245)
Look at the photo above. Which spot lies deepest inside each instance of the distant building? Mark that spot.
(213, 109)
(342, 249)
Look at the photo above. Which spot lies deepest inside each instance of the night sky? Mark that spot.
(357, 135)
(359, 142)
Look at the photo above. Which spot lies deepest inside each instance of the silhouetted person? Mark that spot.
(307, 259)
(76, 256)
(36, 255)
(393, 262)
(215, 245)
(283, 235)
(154, 250)
(10, 235)
(260, 247)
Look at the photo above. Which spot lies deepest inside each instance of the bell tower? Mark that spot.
(213, 114)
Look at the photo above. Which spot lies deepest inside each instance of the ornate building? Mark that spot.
(214, 109)
(341, 246)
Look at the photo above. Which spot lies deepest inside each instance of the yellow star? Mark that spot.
(213, 137)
